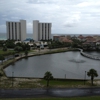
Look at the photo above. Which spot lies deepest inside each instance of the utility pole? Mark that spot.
(65, 76)
(12, 78)
(85, 78)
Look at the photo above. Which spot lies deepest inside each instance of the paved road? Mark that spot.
(64, 92)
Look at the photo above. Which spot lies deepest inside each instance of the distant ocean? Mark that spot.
(4, 37)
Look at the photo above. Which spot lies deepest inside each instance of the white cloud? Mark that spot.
(61, 13)
(72, 19)
(84, 4)
(15, 18)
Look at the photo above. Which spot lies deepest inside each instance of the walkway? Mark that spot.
(89, 56)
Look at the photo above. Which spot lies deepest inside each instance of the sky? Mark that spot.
(66, 16)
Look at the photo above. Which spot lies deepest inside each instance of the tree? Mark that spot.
(26, 52)
(2, 58)
(13, 53)
(4, 48)
(48, 76)
(26, 47)
(34, 45)
(10, 44)
(18, 48)
(0, 76)
(93, 73)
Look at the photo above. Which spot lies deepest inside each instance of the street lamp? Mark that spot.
(65, 76)
(12, 78)
(85, 78)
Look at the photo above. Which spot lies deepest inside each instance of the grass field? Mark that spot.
(65, 83)
(8, 52)
(40, 83)
(74, 98)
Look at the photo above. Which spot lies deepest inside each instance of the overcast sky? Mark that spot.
(66, 16)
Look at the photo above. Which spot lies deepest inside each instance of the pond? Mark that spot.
(69, 65)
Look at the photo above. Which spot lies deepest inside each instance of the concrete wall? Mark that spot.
(22, 29)
(7, 30)
(40, 30)
(35, 30)
(17, 29)
(14, 31)
(46, 31)
(49, 32)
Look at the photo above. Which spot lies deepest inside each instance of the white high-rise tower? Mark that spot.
(16, 30)
(41, 31)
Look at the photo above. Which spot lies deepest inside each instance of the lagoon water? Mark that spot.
(69, 65)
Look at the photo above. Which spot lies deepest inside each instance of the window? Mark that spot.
(19, 31)
(9, 29)
(15, 30)
(42, 31)
(48, 30)
(12, 31)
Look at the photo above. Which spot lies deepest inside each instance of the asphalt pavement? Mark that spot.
(51, 92)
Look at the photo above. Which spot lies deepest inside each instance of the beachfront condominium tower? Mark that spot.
(16, 30)
(41, 31)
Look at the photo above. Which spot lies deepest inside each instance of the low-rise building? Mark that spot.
(81, 38)
(65, 39)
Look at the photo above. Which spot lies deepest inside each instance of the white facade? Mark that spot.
(16, 30)
(35, 29)
(41, 31)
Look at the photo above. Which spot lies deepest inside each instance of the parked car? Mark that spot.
(16, 55)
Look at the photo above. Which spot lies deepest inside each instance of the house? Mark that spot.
(65, 39)
(81, 38)
(56, 38)
(18, 42)
(98, 42)
(90, 44)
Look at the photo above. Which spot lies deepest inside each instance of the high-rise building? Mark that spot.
(16, 30)
(41, 31)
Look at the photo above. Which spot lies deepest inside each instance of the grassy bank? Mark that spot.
(65, 83)
(41, 83)
(73, 98)
(59, 50)
(6, 53)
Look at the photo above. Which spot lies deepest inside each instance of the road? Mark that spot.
(58, 92)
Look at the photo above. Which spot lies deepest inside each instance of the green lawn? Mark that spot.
(74, 98)
(8, 52)
(64, 83)
(7, 83)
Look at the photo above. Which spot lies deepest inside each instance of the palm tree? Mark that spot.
(93, 73)
(26, 52)
(4, 48)
(13, 53)
(48, 76)
(18, 48)
(2, 58)
(0, 76)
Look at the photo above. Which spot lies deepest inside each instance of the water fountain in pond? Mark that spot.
(77, 59)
